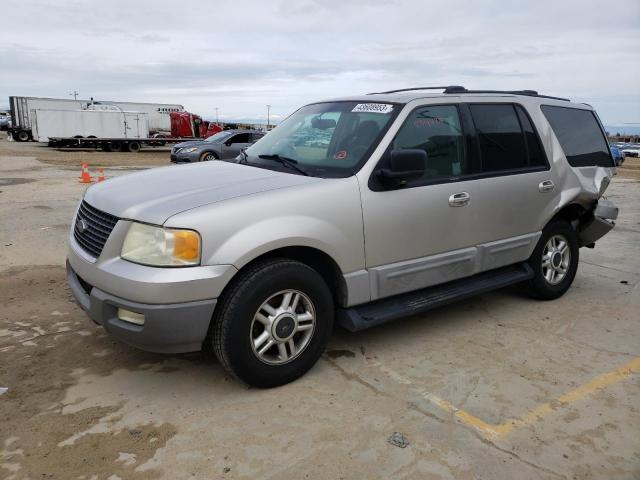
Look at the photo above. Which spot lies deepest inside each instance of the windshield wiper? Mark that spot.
(286, 161)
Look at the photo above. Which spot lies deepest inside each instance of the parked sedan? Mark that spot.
(5, 121)
(222, 145)
(631, 150)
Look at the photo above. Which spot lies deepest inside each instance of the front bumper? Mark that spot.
(168, 328)
(177, 303)
(185, 157)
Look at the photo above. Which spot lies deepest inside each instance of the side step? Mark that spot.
(383, 311)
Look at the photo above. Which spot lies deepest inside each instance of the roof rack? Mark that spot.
(456, 89)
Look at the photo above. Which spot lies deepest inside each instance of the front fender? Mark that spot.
(286, 231)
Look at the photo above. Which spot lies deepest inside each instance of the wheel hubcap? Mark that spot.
(282, 327)
(556, 259)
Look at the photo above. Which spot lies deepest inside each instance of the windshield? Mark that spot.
(325, 139)
(219, 137)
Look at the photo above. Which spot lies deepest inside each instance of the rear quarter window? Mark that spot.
(579, 135)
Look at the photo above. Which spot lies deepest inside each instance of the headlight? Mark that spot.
(161, 247)
(190, 149)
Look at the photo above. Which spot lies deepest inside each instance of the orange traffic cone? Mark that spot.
(101, 177)
(85, 176)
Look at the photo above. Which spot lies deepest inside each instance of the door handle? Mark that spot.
(459, 199)
(546, 186)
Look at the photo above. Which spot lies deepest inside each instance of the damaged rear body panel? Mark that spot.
(584, 166)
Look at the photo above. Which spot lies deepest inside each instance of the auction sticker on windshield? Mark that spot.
(373, 108)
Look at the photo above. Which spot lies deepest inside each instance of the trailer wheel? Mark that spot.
(22, 136)
(113, 147)
(133, 147)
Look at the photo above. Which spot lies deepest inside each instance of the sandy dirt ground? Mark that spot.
(496, 387)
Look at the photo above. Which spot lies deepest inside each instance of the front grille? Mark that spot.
(92, 228)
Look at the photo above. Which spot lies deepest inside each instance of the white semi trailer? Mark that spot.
(21, 109)
(90, 123)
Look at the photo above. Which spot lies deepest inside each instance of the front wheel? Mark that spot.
(273, 323)
(208, 157)
(554, 261)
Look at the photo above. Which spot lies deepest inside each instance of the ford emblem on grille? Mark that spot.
(81, 225)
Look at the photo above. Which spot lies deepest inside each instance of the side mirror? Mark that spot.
(228, 143)
(404, 165)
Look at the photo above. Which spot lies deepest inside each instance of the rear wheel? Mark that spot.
(273, 323)
(554, 261)
(22, 136)
(114, 147)
(133, 147)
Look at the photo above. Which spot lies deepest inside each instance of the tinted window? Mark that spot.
(579, 135)
(502, 143)
(240, 138)
(436, 130)
(534, 148)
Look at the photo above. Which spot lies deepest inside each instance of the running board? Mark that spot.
(383, 311)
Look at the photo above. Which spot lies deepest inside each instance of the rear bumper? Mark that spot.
(601, 222)
(168, 328)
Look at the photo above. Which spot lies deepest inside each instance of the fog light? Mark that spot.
(131, 317)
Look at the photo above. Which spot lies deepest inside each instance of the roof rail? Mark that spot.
(456, 89)
(419, 88)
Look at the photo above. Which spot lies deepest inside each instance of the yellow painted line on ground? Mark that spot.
(493, 431)
(598, 383)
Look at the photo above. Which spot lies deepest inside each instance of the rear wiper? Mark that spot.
(286, 161)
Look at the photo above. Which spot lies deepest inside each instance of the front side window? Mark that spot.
(437, 130)
(579, 135)
(325, 139)
(240, 138)
(219, 137)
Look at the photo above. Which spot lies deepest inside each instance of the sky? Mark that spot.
(241, 56)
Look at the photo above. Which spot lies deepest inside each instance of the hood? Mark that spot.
(154, 195)
(192, 143)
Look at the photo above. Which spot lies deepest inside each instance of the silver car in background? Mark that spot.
(354, 211)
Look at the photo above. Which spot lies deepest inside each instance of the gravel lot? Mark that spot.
(496, 387)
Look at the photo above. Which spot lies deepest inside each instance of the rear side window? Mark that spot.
(579, 135)
(502, 143)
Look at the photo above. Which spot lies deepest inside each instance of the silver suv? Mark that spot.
(354, 211)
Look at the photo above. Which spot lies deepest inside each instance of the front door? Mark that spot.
(420, 235)
(231, 148)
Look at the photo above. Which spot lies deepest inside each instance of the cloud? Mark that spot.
(283, 53)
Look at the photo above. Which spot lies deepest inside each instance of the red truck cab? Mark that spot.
(190, 125)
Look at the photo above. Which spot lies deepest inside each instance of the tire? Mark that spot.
(549, 281)
(236, 327)
(22, 136)
(133, 147)
(114, 147)
(207, 157)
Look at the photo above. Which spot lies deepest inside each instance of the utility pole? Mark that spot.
(216, 115)
(268, 112)
(75, 94)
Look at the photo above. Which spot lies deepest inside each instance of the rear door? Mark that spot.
(133, 125)
(514, 187)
